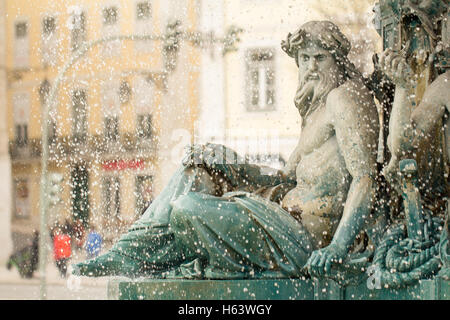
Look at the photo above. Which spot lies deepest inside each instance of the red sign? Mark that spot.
(116, 165)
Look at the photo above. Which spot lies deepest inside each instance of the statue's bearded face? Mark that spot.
(318, 75)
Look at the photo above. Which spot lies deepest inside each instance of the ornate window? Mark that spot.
(21, 106)
(143, 99)
(110, 19)
(112, 128)
(143, 25)
(80, 192)
(44, 91)
(21, 198)
(260, 79)
(110, 16)
(111, 196)
(78, 29)
(79, 104)
(143, 10)
(124, 92)
(49, 41)
(144, 126)
(110, 98)
(21, 49)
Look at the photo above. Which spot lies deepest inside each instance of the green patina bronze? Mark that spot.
(330, 219)
(270, 289)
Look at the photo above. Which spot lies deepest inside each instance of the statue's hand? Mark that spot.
(396, 68)
(321, 260)
(390, 172)
(208, 155)
(192, 154)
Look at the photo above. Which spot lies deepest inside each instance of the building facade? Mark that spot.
(118, 111)
(5, 163)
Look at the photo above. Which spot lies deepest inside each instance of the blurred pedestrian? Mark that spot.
(62, 250)
(93, 243)
(68, 227)
(26, 259)
(78, 233)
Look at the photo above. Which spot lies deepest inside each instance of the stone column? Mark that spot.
(5, 162)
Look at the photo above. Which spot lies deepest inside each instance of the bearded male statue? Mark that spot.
(220, 218)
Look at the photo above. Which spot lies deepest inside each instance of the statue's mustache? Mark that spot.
(305, 90)
(312, 88)
(312, 75)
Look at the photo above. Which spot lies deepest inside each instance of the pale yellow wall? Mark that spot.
(89, 73)
(91, 68)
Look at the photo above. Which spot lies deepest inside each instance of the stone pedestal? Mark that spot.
(276, 289)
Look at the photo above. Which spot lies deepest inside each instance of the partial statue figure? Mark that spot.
(416, 244)
(411, 66)
(421, 133)
(222, 218)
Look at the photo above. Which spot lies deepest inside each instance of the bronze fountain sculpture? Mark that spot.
(333, 211)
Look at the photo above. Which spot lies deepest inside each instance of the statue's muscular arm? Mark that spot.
(356, 126)
(432, 107)
(289, 170)
(400, 129)
(403, 138)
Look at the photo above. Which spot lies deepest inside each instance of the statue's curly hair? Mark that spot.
(328, 36)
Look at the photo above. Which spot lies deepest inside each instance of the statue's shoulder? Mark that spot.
(350, 95)
(445, 75)
(438, 93)
(442, 80)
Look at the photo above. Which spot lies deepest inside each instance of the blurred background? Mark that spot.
(165, 74)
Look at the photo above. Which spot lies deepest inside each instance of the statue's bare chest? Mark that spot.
(316, 131)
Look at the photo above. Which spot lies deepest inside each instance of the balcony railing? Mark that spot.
(62, 147)
(21, 150)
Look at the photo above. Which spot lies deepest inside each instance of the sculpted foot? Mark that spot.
(108, 264)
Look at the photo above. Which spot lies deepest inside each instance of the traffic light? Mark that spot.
(55, 188)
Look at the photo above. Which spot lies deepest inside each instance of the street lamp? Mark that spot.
(171, 40)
